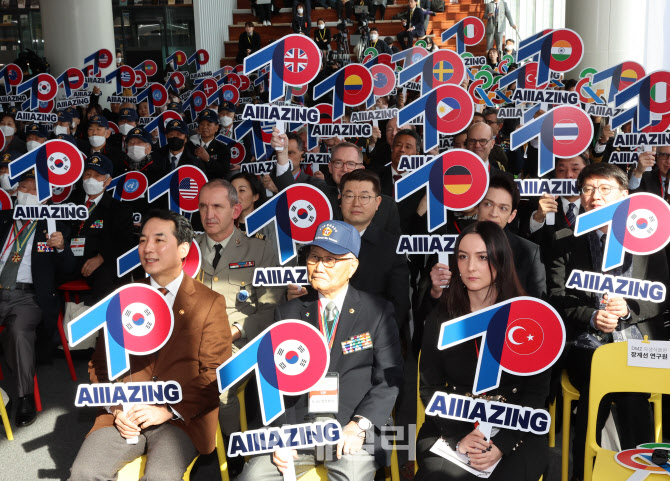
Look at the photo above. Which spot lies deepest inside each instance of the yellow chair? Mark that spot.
(552, 427)
(613, 358)
(570, 394)
(5, 420)
(420, 408)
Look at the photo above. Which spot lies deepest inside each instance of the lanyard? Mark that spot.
(90, 209)
(321, 33)
(457, 228)
(330, 336)
(16, 234)
(411, 12)
(249, 39)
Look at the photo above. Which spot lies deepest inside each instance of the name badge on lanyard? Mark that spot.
(324, 398)
(77, 245)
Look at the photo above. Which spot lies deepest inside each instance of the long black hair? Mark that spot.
(256, 187)
(455, 299)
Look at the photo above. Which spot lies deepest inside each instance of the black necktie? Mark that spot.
(603, 241)
(217, 255)
(571, 214)
(174, 162)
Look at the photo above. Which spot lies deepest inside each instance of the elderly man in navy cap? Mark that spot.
(364, 354)
(31, 261)
(177, 152)
(36, 135)
(215, 154)
(98, 133)
(227, 117)
(105, 235)
(8, 184)
(64, 123)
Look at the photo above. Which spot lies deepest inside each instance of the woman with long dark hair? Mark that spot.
(483, 274)
(251, 195)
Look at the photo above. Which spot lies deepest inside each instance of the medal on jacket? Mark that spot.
(243, 295)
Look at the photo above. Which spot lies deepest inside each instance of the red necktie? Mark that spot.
(396, 178)
(163, 291)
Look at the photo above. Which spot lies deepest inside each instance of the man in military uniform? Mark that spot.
(229, 259)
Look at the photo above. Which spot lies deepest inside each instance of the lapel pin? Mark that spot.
(351, 311)
(181, 311)
(307, 314)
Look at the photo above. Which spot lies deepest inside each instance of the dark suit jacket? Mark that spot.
(219, 159)
(163, 157)
(301, 24)
(651, 182)
(47, 268)
(381, 46)
(406, 207)
(383, 272)
(416, 21)
(244, 43)
(544, 236)
(528, 265)
(200, 343)
(386, 217)
(577, 306)
(369, 379)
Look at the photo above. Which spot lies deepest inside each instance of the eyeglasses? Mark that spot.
(662, 155)
(350, 165)
(363, 199)
(481, 142)
(328, 261)
(604, 189)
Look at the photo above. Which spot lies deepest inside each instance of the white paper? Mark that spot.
(289, 474)
(654, 354)
(442, 448)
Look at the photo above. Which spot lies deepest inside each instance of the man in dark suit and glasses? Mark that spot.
(369, 378)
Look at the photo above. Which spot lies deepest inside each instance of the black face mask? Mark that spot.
(175, 143)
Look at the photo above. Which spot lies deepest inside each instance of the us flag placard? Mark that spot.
(182, 186)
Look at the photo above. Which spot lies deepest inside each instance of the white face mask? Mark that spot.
(24, 198)
(508, 47)
(8, 130)
(125, 128)
(300, 11)
(137, 152)
(59, 129)
(5, 184)
(321, 26)
(226, 121)
(97, 140)
(93, 186)
(32, 145)
(374, 37)
(119, 60)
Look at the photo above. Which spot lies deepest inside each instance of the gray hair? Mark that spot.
(232, 192)
(343, 145)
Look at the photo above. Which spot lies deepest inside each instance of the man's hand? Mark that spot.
(376, 135)
(440, 275)
(606, 134)
(605, 321)
(514, 27)
(279, 459)
(201, 153)
(269, 184)
(319, 175)
(351, 441)
(645, 160)
(280, 140)
(617, 306)
(126, 428)
(56, 241)
(547, 204)
(410, 29)
(96, 91)
(91, 265)
(145, 415)
(293, 291)
(486, 459)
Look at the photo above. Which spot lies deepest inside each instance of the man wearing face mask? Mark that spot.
(214, 154)
(377, 44)
(128, 119)
(31, 263)
(12, 141)
(227, 117)
(97, 134)
(177, 152)
(5, 183)
(36, 135)
(139, 156)
(64, 124)
(105, 235)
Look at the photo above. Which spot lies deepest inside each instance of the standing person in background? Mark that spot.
(497, 13)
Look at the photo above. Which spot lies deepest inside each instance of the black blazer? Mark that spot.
(162, 156)
(651, 183)
(383, 272)
(245, 44)
(48, 268)
(416, 21)
(218, 165)
(529, 266)
(577, 306)
(406, 207)
(386, 217)
(544, 235)
(381, 46)
(369, 379)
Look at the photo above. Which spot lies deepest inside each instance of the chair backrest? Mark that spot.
(420, 408)
(611, 373)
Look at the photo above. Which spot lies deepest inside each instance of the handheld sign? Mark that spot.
(200, 57)
(522, 336)
(651, 92)
(456, 180)
(446, 109)
(289, 357)
(296, 213)
(383, 79)
(640, 461)
(351, 86)
(129, 186)
(57, 163)
(5, 200)
(155, 95)
(160, 122)
(182, 186)
(175, 82)
(564, 131)
(42, 88)
(409, 56)
(72, 79)
(112, 394)
(261, 136)
(638, 224)
(468, 32)
(616, 285)
(237, 150)
(131, 260)
(622, 76)
(149, 68)
(177, 59)
(437, 68)
(136, 320)
(12, 76)
(560, 50)
(294, 60)
(102, 58)
(123, 78)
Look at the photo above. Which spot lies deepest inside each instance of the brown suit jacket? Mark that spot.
(200, 343)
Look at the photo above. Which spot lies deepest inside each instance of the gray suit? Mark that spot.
(496, 24)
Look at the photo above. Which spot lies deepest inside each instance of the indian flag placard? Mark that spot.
(659, 92)
(561, 50)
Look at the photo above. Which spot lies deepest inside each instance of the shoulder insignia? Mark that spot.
(259, 236)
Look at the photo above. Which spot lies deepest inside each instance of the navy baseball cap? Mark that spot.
(64, 116)
(74, 112)
(227, 107)
(176, 107)
(209, 116)
(139, 133)
(337, 237)
(7, 157)
(67, 138)
(100, 120)
(99, 163)
(37, 129)
(178, 125)
(129, 114)
(28, 175)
